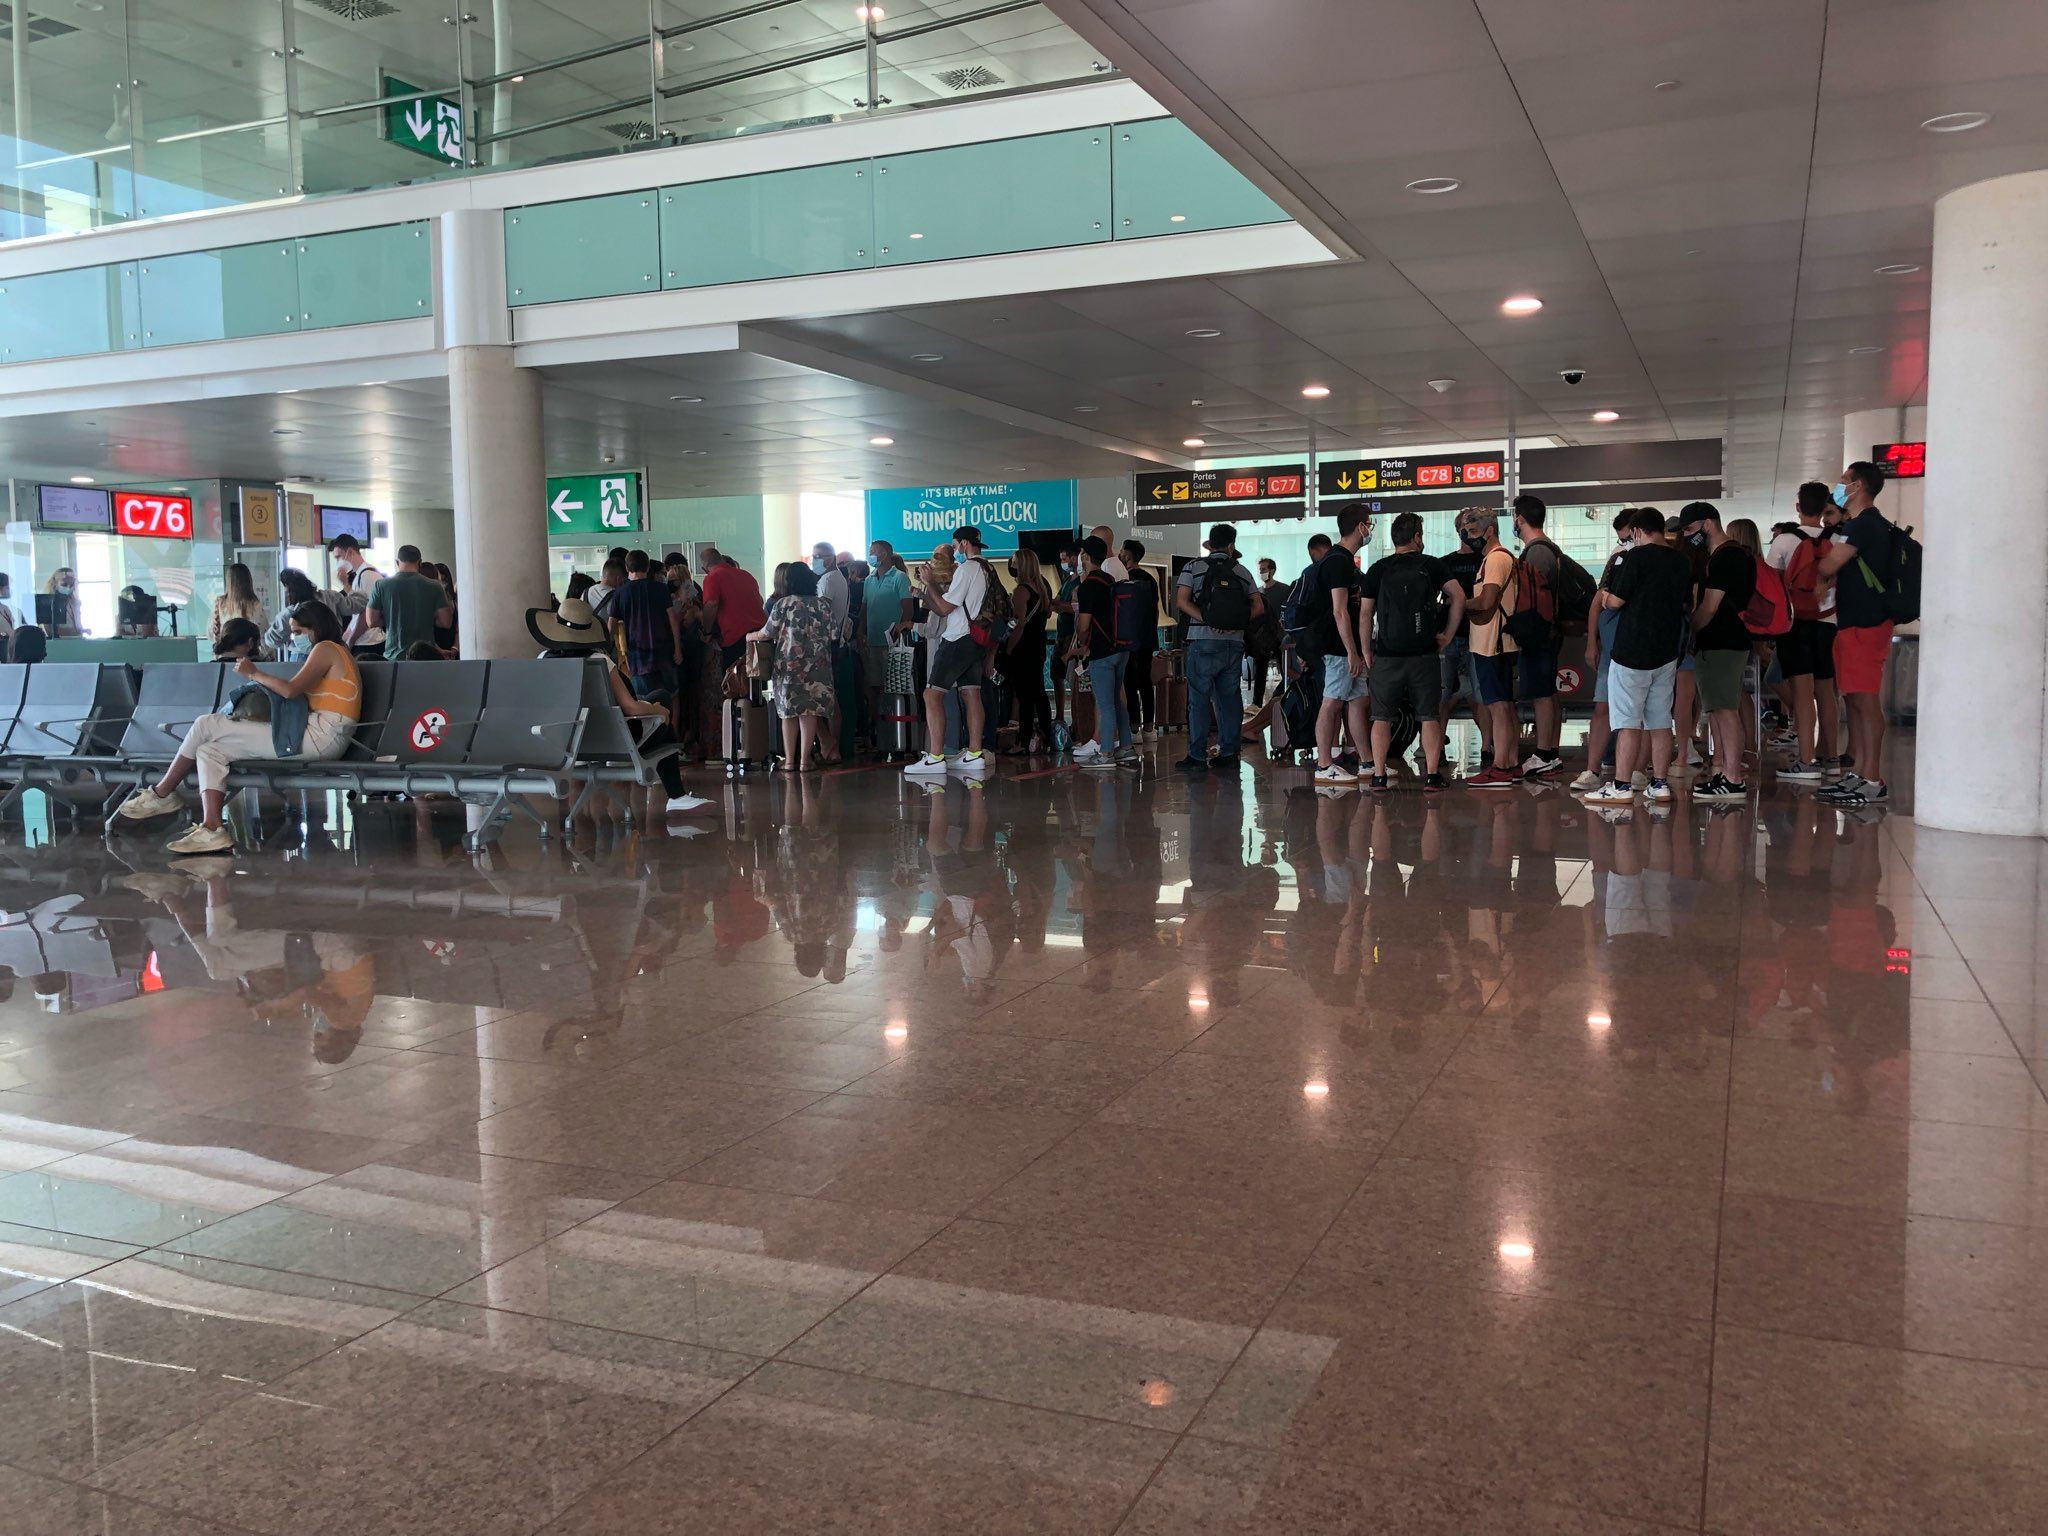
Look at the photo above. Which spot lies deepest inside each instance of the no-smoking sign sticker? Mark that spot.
(1568, 679)
(429, 730)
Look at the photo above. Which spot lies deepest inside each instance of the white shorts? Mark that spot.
(1640, 700)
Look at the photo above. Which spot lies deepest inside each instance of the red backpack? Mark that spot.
(1768, 613)
(1803, 578)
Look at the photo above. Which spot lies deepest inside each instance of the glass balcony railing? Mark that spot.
(118, 110)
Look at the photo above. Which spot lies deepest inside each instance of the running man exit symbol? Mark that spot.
(614, 503)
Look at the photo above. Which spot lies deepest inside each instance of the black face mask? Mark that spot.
(1475, 542)
(1697, 538)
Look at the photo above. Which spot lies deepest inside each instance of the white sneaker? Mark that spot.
(1588, 780)
(201, 838)
(1612, 793)
(1088, 751)
(683, 804)
(923, 765)
(1657, 792)
(146, 803)
(971, 762)
(1336, 776)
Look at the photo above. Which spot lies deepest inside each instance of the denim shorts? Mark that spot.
(1610, 620)
(1494, 678)
(1640, 700)
(1536, 671)
(1338, 683)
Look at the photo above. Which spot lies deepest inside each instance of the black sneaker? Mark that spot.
(1193, 765)
(1860, 792)
(1223, 762)
(1435, 784)
(1377, 784)
(1720, 787)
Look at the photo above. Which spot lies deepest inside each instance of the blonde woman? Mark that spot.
(237, 601)
(1021, 658)
(62, 588)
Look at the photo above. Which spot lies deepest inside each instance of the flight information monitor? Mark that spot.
(85, 508)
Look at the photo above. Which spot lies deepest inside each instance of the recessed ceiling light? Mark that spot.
(686, 399)
(1607, 415)
(516, 80)
(1087, 410)
(1205, 332)
(1440, 385)
(1956, 122)
(1315, 1088)
(1513, 1249)
(1315, 392)
(881, 442)
(1435, 186)
(1863, 351)
(1194, 442)
(917, 234)
(1521, 304)
(1898, 269)
(927, 357)
(1198, 402)
(1176, 218)
(83, 480)
(1668, 85)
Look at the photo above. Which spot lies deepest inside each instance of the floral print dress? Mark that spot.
(801, 628)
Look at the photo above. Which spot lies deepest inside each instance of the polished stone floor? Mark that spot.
(1075, 1153)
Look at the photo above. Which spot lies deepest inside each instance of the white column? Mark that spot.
(1982, 742)
(501, 547)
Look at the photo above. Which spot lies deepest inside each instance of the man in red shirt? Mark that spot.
(732, 605)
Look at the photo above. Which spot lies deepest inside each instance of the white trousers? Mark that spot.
(215, 742)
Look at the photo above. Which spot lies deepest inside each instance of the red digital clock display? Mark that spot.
(1901, 461)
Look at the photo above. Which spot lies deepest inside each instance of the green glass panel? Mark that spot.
(583, 249)
(983, 199)
(242, 290)
(820, 218)
(358, 276)
(63, 314)
(1169, 182)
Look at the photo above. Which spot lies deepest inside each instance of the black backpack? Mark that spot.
(1897, 577)
(1223, 601)
(30, 643)
(1404, 617)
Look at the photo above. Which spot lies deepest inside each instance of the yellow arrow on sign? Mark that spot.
(1344, 481)
(1158, 493)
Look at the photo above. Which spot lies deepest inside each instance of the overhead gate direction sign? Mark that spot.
(1215, 487)
(1438, 472)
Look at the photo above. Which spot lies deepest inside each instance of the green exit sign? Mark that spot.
(428, 125)
(607, 503)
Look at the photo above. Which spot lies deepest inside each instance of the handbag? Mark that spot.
(760, 661)
(899, 670)
(734, 683)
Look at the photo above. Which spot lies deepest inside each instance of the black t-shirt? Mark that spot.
(1858, 604)
(1463, 566)
(1412, 584)
(1654, 582)
(1096, 597)
(1336, 581)
(1731, 571)
(1148, 608)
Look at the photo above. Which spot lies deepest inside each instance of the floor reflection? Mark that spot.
(1079, 1151)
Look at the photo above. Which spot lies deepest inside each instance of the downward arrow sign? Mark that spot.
(417, 120)
(562, 506)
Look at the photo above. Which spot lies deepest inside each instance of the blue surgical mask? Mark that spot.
(300, 648)
(820, 565)
(1840, 495)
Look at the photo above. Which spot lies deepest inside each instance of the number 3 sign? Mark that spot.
(152, 517)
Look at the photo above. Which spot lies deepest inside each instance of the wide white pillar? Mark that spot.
(1982, 740)
(501, 545)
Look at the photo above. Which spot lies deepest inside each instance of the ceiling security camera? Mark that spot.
(1572, 375)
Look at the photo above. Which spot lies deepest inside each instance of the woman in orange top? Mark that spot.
(329, 682)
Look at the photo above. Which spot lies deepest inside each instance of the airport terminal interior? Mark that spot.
(1023, 766)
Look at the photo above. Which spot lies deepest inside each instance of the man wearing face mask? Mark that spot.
(1493, 650)
(1721, 642)
(1863, 628)
(958, 661)
(838, 596)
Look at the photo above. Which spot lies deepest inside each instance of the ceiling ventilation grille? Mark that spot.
(975, 77)
(632, 130)
(357, 10)
(40, 28)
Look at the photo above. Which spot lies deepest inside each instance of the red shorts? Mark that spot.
(1859, 657)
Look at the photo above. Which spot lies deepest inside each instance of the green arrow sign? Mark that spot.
(608, 503)
(430, 126)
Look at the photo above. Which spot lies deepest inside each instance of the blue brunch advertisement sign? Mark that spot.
(915, 518)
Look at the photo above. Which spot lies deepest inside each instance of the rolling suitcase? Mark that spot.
(899, 725)
(749, 735)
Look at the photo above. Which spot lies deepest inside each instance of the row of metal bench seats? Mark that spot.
(497, 728)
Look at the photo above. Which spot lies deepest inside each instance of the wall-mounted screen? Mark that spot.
(354, 521)
(84, 507)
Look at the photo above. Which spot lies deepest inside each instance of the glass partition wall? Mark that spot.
(117, 110)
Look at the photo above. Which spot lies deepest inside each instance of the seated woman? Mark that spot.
(329, 682)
